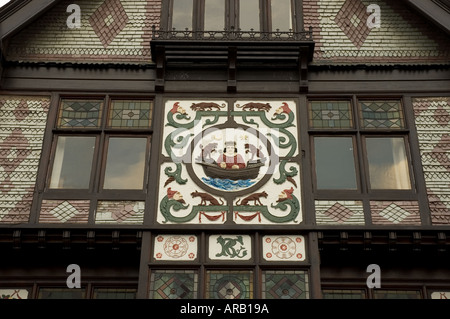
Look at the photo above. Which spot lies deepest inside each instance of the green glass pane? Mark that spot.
(285, 285)
(229, 285)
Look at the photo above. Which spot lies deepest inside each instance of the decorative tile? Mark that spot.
(80, 114)
(229, 284)
(401, 212)
(173, 284)
(120, 212)
(64, 211)
(283, 248)
(175, 247)
(432, 117)
(108, 21)
(352, 20)
(21, 135)
(285, 284)
(382, 114)
(230, 247)
(339, 212)
(330, 114)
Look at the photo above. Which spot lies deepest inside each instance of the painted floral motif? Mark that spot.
(284, 248)
(175, 247)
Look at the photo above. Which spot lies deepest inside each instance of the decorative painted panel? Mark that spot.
(230, 163)
(230, 247)
(229, 284)
(64, 211)
(432, 117)
(339, 212)
(23, 120)
(14, 293)
(283, 248)
(173, 284)
(121, 212)
(175, 247)
(440, 295)
(285, 284)
(399, 212)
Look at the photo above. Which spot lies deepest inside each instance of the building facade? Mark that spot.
(204, 149)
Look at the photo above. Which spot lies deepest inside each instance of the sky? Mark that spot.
(3, 2)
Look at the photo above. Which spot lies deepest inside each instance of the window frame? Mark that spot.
(95, 193)
(231, 15)
(361, 160)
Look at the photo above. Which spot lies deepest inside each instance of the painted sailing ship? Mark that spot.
(250, 171)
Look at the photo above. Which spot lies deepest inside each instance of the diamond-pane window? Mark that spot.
(130, 114)
(280, 284)
(382, 114)
(173, 284)
(229, 284)
(80, 113)
(330, 114)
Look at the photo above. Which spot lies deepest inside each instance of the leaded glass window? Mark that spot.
(330, 114)
(285, 284)
(130, 114)
(80, 113)
(229, 284)
(173, 284)
(381, 114)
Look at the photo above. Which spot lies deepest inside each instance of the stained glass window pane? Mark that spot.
(80, 113)
(335, 163)
(330, 114)
(73, 162)
(229, 284)
(285, 285)
(173, 284)
(61, 293)
(182, 14)
(130, 114)
(114, 293)
(396, 294)
(125, 164)
(382, 114)
(388, 163)
(343, 294)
